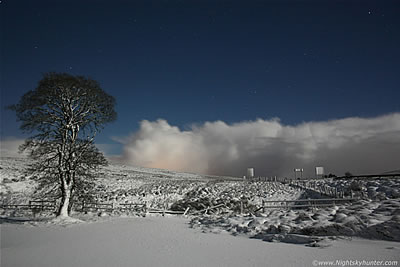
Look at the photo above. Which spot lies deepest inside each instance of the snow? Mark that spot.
(368, 219)
(12, 178)
(376, 189)
(221, 237)
(166, 241)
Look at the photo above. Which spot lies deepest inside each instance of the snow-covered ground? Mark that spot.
(218, 237)
(167, 241)
(368, 219)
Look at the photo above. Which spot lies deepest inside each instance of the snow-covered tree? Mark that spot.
(64, 114)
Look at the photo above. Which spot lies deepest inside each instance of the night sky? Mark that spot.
(190, 62)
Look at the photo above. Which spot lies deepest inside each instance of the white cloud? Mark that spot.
(159, 145)
(359, 145)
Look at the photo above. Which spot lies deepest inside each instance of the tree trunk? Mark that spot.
(65, 200)
(71, 201)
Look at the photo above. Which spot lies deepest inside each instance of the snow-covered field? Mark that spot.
(238, 233)
(167, 241)
(374, 220)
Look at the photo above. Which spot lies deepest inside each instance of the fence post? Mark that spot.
(186, 211)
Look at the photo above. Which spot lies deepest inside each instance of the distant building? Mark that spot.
(298, 174)
(250, 173)
(319, 171)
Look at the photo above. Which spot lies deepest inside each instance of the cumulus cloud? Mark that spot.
(358, 145)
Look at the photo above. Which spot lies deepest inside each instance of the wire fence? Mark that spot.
(38, 206)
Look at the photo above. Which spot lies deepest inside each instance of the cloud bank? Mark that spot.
(358, 145)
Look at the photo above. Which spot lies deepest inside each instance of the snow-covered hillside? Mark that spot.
(16, 186)
(375, 215)
(158, 188)
(116, 182)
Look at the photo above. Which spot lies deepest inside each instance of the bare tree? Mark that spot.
(64, 114)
